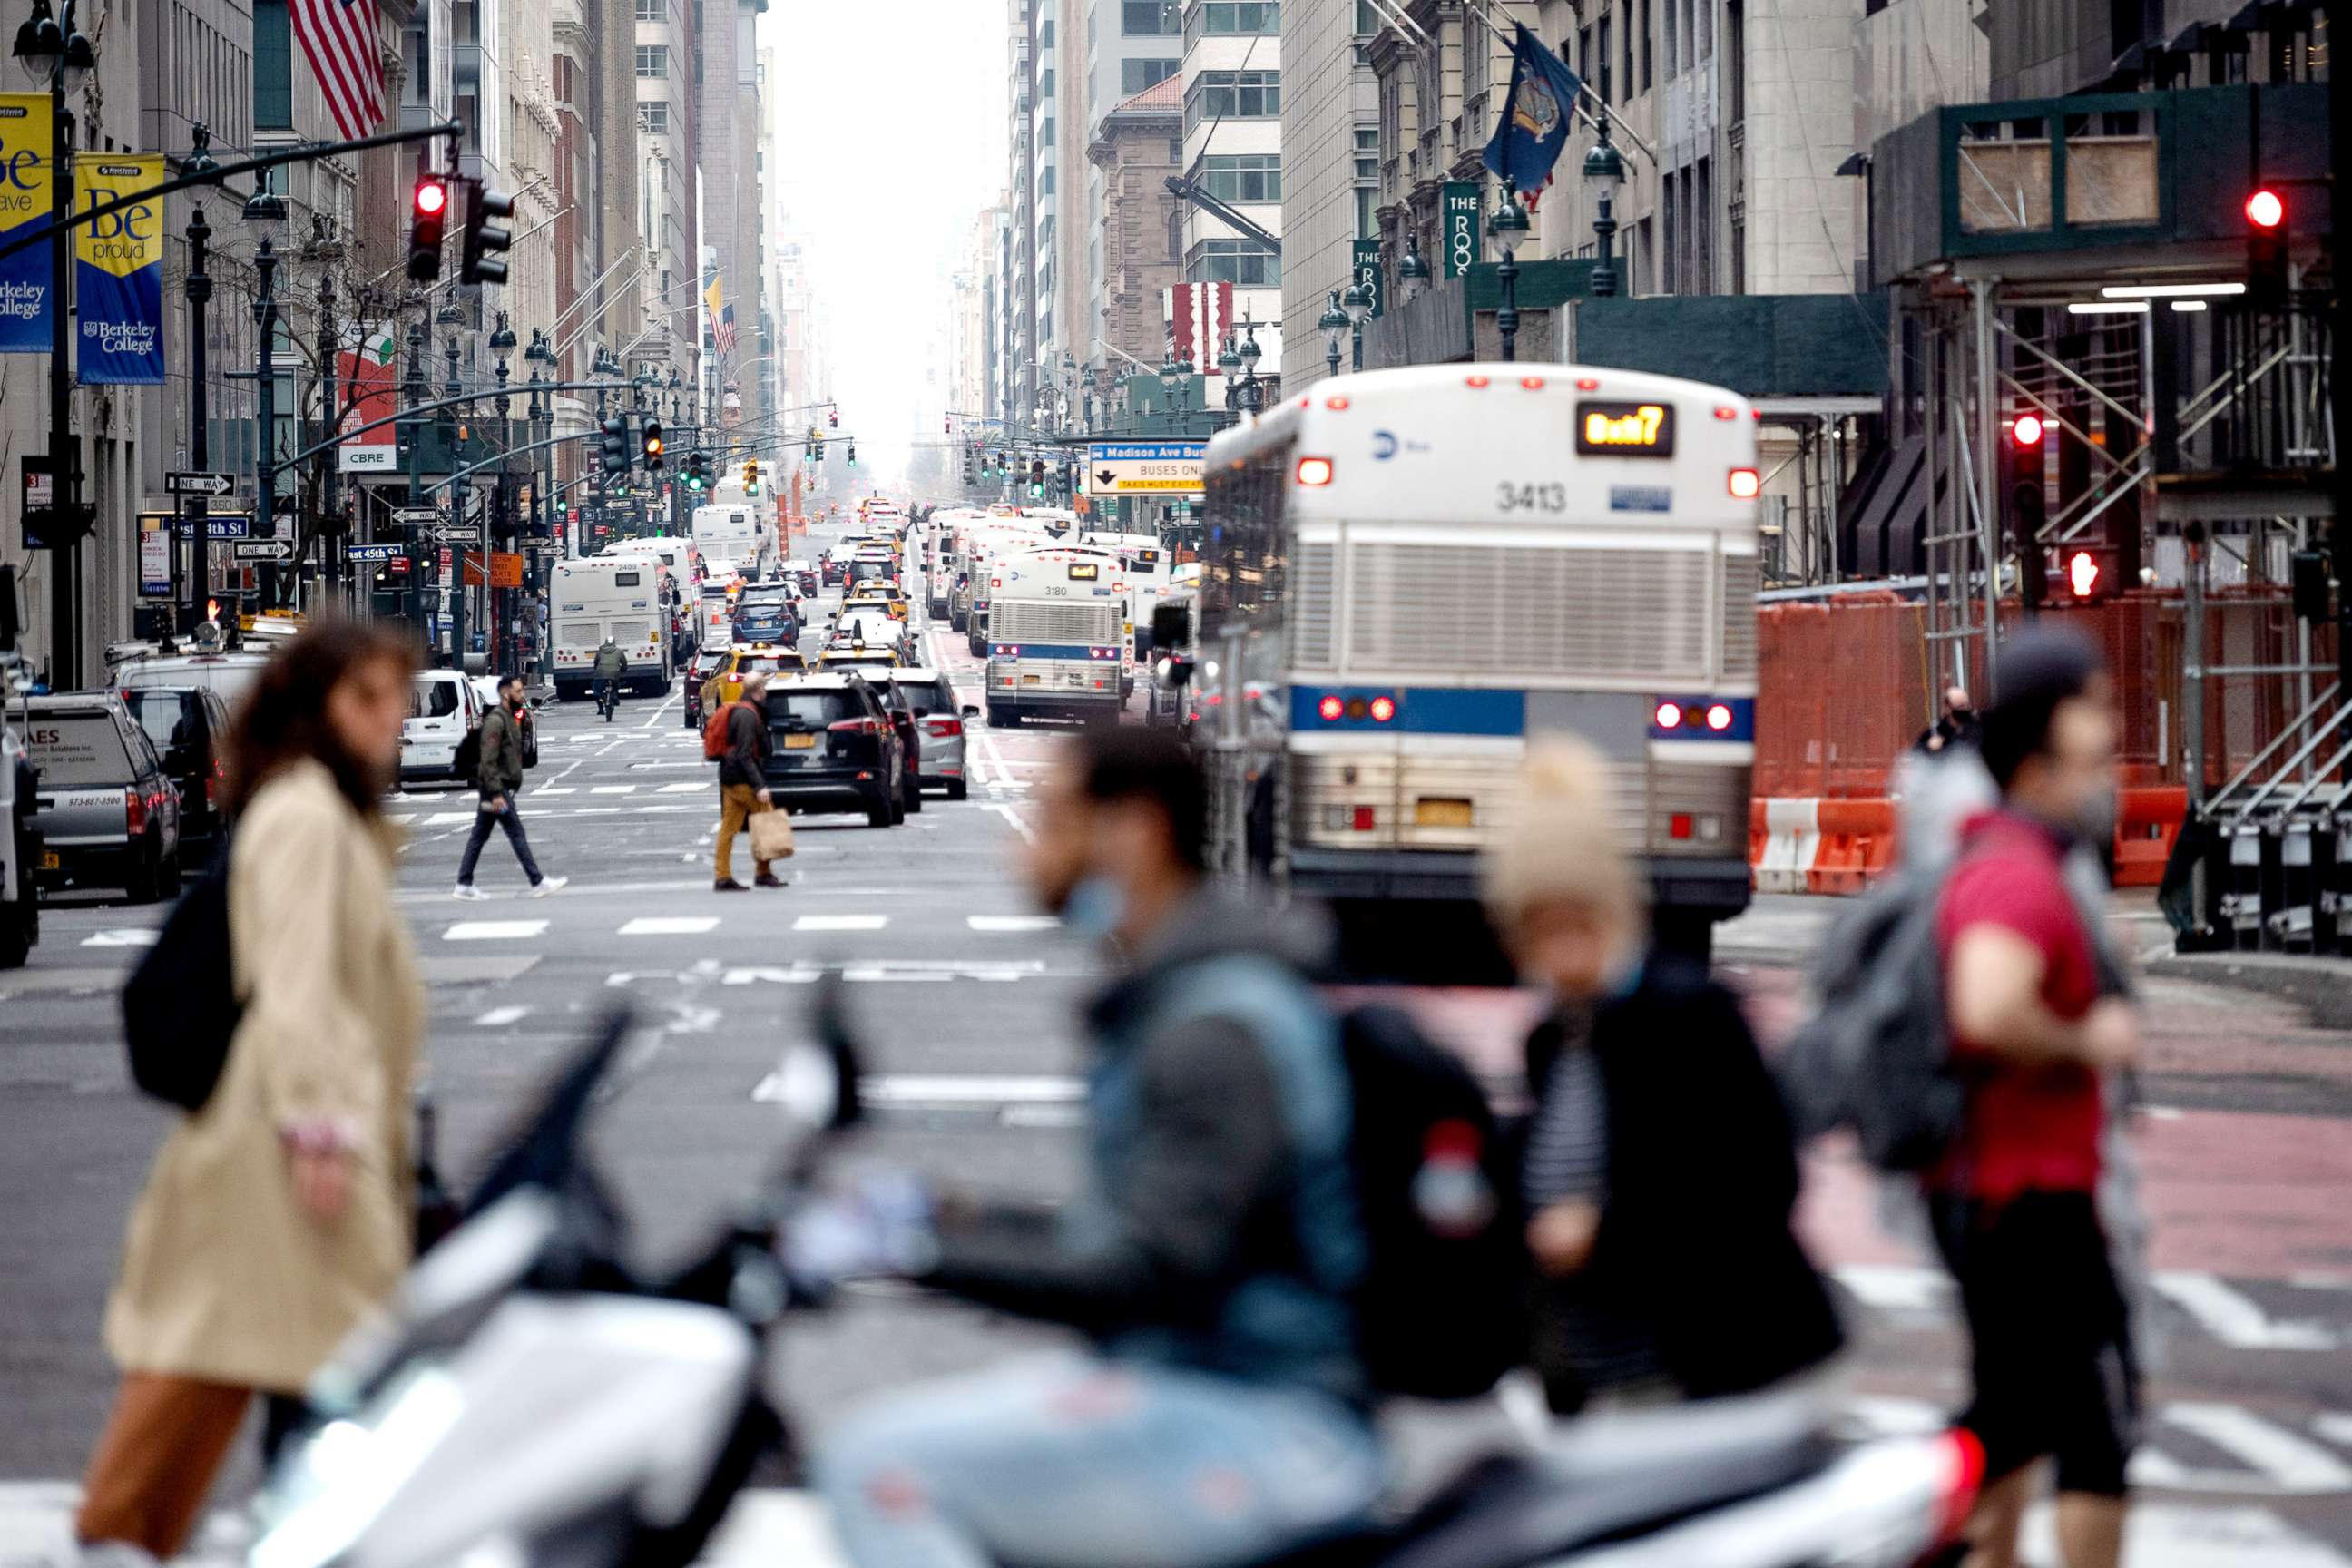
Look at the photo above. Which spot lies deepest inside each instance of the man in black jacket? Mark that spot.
(1211, 1254)
(743, 784)
(498, 780)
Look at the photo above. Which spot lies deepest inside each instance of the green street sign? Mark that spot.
(1459, 239)
(1368, 272)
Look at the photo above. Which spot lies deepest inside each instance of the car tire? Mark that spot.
(958, 789)
(145, 885)
(877, 814)
(915, 799)
(168, 875)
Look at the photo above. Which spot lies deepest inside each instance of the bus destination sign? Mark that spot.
(1626, 430)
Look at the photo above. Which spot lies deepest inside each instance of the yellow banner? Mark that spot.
(27, 289)
(122, 242)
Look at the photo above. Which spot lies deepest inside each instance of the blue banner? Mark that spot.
(119, 271)
(1534, 123)
(24, 184)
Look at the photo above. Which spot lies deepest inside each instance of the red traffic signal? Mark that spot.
(2266, 209)
(428, 222)
(2028, 430)
(833, 418)
(2267, 240)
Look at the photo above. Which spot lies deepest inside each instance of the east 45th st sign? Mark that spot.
(1144, 468)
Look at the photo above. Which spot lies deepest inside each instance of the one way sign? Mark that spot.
(264, 548)
(186, 482)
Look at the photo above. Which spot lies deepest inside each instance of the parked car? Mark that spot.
(106, 811)
(930, 694)
(836, 749)
(188, 727)
(442, 737)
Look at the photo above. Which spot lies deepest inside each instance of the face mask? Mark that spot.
(1095, 906)
(2094, 823)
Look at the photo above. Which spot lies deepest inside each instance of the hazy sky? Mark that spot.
(889, 123)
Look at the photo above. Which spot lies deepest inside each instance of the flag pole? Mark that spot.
(1585, 88)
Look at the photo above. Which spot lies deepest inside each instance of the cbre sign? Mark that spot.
(1459, 238)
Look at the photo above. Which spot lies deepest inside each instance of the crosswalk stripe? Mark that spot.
(1012, 922)
(128, 936)
(614, 789)
(841, 923)
(694, 788)
(493, 930)
(670, 925)
(2234, 1318)
(444, 818)
(2291, 1464)
(499, 1018)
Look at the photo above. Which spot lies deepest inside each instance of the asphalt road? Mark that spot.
(966, 997)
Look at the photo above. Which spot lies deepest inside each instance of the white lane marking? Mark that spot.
(564, 789)
(670, 925)
(2192, 1535)
(1013, 922)
(612, 789)
(129, 936)
(443, 818)
(841, 923)
(656, 716)
(904, 1090)
(698, 788)
(2290, 1463)
(493, 930)
(2233, 1317)
(499, 1018)
(1014, 818)
(2336, 1425)
(1895, 1287)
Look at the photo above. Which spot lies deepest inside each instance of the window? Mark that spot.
(1227, 18)
(1046, 36)
(1135, 76)
(1243, 262)
(651, 10)
(1368, 21)
(1046, 83)
(652, 60)
(1141, 18)
(273, 67)
(1175, 149)
(1245, 177)
(1233, 95)
(656, 113)
(1584, 57)
(1368, 139)
(1367, 221)
(1046, 182)
(1644, 28)
(1601, 59)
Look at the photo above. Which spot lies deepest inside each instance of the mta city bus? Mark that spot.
(1059, 645)
(1407, 574)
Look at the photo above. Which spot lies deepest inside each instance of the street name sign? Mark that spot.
(218, 524)
(185, 482)
(1145, 468)
(264, 548)
(376, 552)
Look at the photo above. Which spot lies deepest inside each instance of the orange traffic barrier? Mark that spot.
(2147, 820)
(1812, 846)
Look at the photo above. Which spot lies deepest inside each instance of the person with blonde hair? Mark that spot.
(1660, 1168)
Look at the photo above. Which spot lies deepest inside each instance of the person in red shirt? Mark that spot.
(2037, 1032)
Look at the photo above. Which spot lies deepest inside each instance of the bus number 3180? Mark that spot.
(1510, 497)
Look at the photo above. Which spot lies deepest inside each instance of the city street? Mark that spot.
(966, 997)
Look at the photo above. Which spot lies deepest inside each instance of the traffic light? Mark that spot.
(614, 439)
(1037, 479)
(695, 476)
(482, 254)
(2028, 508)
(853, 451)
(651, 443)
(833, 418)
(2268, 231)
(2090, 572)
(752, 478)
(428, 222)
(947, 426)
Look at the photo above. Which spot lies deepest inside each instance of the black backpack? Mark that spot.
(1442, 1308)
(180, 1007)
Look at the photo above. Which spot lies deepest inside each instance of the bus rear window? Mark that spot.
(624, 579)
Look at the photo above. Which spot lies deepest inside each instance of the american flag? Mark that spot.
(723, 335)
(339, 39)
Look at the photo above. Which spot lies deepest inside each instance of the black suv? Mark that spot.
(189, 728)
(836, 749)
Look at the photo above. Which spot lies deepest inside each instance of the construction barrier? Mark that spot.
(1808, 845)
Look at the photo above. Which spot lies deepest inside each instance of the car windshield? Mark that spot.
(809, 709)
(77, 748)
(433, 699)
(168, 717)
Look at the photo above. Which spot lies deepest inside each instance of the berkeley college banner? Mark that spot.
(24, 184)
(119, 271)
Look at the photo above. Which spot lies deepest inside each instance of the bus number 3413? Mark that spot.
(1510, 497)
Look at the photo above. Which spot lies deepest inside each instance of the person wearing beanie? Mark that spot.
(1660, 1170)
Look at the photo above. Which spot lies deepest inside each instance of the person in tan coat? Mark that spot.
(277, 1217)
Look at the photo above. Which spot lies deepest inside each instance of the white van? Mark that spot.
(441, 739)
(618, 597)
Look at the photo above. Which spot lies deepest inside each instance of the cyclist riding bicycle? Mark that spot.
(611, 664)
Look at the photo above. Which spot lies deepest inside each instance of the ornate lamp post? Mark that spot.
(1508, 229)
(267, 211)
(1357, 303)
(1253, 389)
(1332, 323)
(1412, 273)
(1229, 366)
(502, 343)
(197, 509)
(1605, 167)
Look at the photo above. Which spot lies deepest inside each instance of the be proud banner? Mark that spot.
(119, 271)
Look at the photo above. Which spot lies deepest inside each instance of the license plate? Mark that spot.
(1439, 813)
(799, 743)
(49, 861)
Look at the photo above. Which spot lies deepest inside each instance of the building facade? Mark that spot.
(1134, 153)
(1233, 137)
(1329, 170)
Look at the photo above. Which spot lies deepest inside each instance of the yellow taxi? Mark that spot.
(892, 603)
(726, 682)
(860, 656)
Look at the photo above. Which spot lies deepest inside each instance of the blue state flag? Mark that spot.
(1536, 115)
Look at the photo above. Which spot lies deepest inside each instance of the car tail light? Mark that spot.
(856, 727)
(1364, 819)
(1679, 826)
(134, 813)
(946, 729)
(1964, 1468)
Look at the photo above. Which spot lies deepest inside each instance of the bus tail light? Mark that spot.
(1364, 819)
(1718, 716)
(1330, 708)
(1314, 471)
(1477, 382)
(1337, 405)
(1725, 411)
(1383, 710)
(1669, 716)
(1588, 383)
(1746, 484)
(1532, 383)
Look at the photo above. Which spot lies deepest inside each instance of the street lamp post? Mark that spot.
(1412, 273)
(1253, 389)
(55, 50)
(1508, 229)
(502, 343)
(538, 415)
(327, 548)
(1357, 303)
(461, 493)
(1605, 167)
(197, 509)
(1333, 322)
(1229, 366)
(266, 209)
